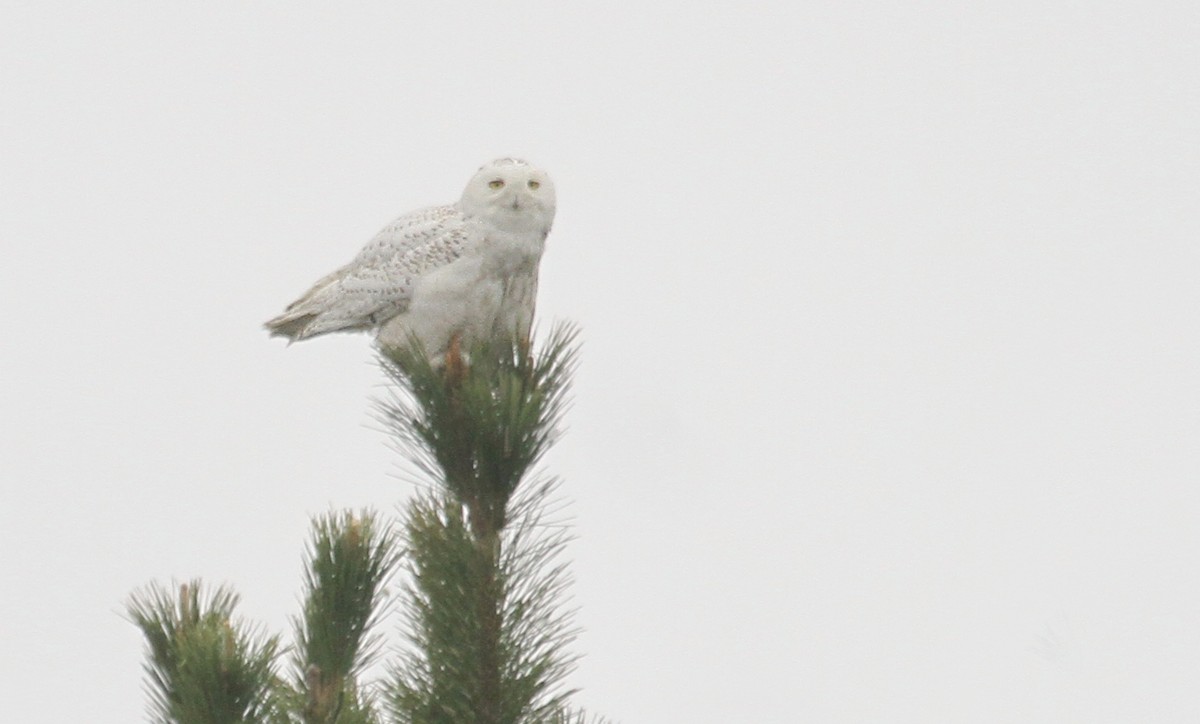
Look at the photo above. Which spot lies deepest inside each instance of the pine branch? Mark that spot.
(488, 638)
(478, 426)
(487, 634)
(202, 667)
(484, 615)
(350, 558)
(439, 677)
(537, 627)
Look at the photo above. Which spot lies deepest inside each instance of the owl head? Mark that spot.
(511, 194)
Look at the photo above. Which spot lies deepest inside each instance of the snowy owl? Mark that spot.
(467, 271)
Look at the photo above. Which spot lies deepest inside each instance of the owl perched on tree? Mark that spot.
(464, 272)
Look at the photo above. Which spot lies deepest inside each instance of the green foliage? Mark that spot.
(478, 426)
(487, 636)
(202, 667)
(350, 558)
(439, 677)
(483, 612)
(568, 716)
(484, 619)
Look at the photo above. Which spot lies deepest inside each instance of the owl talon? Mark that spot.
(455, 366)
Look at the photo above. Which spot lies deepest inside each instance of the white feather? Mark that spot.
(467, 270)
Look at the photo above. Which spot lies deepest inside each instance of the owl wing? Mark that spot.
(378, 284)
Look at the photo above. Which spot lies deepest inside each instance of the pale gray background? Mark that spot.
(888, 406)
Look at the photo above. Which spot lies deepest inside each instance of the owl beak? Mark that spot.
(516, 204)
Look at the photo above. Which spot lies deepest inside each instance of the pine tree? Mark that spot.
(484, 621)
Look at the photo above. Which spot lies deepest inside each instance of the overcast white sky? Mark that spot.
(889, 401)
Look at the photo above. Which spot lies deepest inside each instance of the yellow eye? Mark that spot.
(535, 185)
(496, 184)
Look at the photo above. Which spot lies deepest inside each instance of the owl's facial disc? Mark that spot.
(512, 194)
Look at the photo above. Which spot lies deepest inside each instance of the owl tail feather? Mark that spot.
(297, 325)
(291, 325)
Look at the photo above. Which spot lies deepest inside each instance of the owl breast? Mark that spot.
(485, 295)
